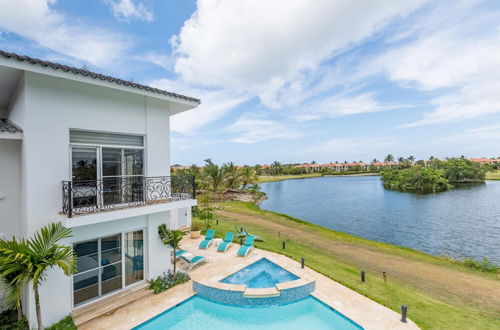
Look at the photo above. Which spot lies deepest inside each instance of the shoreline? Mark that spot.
(416, 278)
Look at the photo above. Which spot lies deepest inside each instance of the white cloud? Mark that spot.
(343, 105)
(214, 105)
(129, 10)
(36, 20)
(267, 47)
(156, 58)
(254, 130)
(458, 59)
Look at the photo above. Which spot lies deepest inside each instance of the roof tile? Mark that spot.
(94, 75)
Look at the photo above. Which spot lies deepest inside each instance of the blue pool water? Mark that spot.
(198, 313)
(261, 274)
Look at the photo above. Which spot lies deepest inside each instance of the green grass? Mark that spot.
(324, 250)
(493, 175)
(273, 178)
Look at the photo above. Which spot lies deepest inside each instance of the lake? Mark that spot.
(461, 223)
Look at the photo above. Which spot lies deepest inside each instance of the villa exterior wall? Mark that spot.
(47, 108)
(10, 190)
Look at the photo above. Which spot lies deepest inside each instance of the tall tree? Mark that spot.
(248, 176)
(170, 238)
(232, 175)
(32, 258)
(276, 168)
(389, 158)
(213, 175)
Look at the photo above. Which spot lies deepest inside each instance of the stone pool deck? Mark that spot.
(365, 312)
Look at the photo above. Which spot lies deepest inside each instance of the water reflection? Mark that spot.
(464, 222)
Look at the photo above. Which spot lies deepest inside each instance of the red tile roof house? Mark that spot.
(73, 143)
(343, 167)
(482, 161)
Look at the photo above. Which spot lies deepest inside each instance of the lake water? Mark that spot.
(463, 222)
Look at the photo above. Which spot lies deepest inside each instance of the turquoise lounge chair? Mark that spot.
(247, 245)
(228, 239)
(191, 260)
(178, 253)
(209, 236)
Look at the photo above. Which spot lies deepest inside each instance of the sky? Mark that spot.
(290, 80)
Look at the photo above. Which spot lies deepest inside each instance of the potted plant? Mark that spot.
(195, 231)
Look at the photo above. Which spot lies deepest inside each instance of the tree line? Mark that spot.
(215, 178)
(435, 176)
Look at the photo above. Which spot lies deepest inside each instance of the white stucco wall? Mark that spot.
(10, 188)
(53, 106)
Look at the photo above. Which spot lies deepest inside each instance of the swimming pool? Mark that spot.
(261, 274)
(198, 313)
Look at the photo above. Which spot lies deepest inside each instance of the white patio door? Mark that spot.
(101, 263)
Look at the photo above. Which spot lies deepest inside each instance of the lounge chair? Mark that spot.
(178, 253)
(191, 260)
(228, 239)
(247, 245)
(209, 236)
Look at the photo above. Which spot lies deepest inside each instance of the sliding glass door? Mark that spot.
(134, 257)
(107, 168)
(102, 261)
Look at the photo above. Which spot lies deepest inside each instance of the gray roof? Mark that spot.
(6, 126)
(86, 73)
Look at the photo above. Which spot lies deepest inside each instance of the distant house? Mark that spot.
(482, 161)
(93, 152)
(344, 167)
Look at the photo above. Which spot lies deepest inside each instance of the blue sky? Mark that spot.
(291, 80)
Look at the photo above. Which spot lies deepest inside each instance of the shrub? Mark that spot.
(167, 281)
(8, 321)
(484, 265)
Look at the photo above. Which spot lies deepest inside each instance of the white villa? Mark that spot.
(93, 152)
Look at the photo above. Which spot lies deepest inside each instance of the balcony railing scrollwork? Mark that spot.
(89, 196)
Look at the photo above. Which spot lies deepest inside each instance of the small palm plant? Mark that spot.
(10, 281)
(170, 238)
(30, 259)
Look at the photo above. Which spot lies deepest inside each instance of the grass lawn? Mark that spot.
(493, 175)
(272, 178)
(440, 293)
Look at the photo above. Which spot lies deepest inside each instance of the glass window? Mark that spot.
(85, 286)
(133, 161)
(111, 278)
(111, 162)
(84, 163)
(99, 268)
(87, 257)
(134, 256)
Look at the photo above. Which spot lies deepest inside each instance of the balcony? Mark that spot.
(116, 193)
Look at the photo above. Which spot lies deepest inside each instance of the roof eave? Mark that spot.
(47, 70)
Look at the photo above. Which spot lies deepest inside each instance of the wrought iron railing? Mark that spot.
(89, 196)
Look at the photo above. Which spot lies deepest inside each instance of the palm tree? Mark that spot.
(276, 168)
(248, 176)
(232, 175)
(389, 158)
(170, 238)
(10, 282)
(411, 159)
(374, 160)
(31, 259)
(214, 175)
